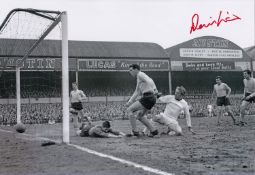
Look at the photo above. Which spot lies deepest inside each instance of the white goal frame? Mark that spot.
(62, 17)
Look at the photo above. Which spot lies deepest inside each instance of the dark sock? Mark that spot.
(155, 132)
(136, 133)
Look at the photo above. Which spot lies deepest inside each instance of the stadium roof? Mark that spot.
(250, 51)
(85, 49)
(206, 42)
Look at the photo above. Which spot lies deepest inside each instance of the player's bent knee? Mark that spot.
(140, 115)
(131, 116)
(157, 118)
(129, 113)
(177, 129)
(130, 109)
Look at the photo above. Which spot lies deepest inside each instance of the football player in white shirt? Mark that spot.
(76, 98)
(249, 93)
(147, 89)
(175, 104)
(210, 110)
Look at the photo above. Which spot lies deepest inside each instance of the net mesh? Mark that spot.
(40, 71)
(20, 32)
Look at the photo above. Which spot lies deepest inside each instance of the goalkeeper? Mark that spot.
(101, 131)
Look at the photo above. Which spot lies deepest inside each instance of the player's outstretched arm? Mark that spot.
(110, 135)
(122, 134)
(117, 133)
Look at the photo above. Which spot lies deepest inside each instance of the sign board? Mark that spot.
(121, 65)
(208, 66)
(37, 64)
(210, 53)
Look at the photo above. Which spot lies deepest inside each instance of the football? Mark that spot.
(20, 127)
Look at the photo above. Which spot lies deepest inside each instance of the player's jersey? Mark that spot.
(221, 90)
(174, 107)
(76, 95)
(249, 85)
(145, 83)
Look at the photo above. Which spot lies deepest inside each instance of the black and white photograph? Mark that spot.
(127, 87)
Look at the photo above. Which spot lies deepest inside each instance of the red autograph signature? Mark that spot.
(196, 26)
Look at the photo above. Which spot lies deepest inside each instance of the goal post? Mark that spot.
(65, 78)
(23, 43)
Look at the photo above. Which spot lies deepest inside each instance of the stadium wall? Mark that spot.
(59, 100)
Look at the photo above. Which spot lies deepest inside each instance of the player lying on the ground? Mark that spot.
(103, 131)
(175, 104)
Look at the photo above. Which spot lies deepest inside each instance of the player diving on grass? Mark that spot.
(101, 131)
(222, 91)
(175, 104)
(147, 89)
(76, 98)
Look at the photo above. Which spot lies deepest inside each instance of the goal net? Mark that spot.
(34, 80)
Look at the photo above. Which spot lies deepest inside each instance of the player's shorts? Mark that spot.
(168, 121)
(148, 100)
(223, 101)
(77, 106)
(85, 130)
(251, 100)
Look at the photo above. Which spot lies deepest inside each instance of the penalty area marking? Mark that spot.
(136, 165)
(122, 161)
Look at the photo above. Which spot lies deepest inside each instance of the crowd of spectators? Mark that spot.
(46, 113)
(123, 90)
(46, 92)
(31, 113)
(31, 92)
